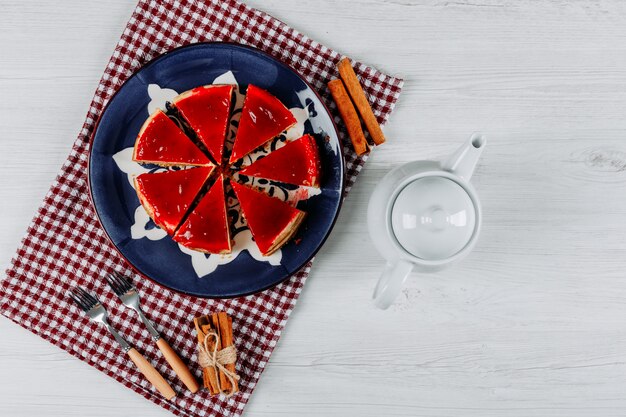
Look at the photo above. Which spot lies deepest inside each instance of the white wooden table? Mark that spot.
(532, 323)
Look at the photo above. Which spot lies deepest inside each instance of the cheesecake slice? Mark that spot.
(167, 196)
(263, 117)
(162, 142)
(207, 112)
(206, 228)
(297, 163)
(271, 221)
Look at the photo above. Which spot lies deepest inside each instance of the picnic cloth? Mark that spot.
(65, 246)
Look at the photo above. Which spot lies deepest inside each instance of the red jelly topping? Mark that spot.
(271, 221)
(263, 117)
(206, 228)
(167, 196)
(161, 141)
(297, 163)
(207, 110)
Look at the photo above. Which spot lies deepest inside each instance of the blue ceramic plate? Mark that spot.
(154, 254)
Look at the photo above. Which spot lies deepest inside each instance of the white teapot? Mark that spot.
(424, 215)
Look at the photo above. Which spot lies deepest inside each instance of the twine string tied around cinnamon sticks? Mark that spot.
(218, 358)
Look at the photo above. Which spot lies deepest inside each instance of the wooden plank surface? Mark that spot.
(531, 324)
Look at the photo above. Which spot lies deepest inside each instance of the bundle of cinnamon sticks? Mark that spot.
(216, 353)
(348, 93)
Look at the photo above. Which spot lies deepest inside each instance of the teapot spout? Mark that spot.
(464, 160)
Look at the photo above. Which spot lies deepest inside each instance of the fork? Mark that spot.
(96, 312)
(129, 296)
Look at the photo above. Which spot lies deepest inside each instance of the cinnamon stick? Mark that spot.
(210, 376)
(349, 116)
(223, 324)
(360, 100)
(229, 341)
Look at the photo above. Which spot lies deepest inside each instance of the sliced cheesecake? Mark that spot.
(271, 221)
(167, 196)
(297, 163)
(162, 142)
(206, 228)
(263, 117)
(207, 111)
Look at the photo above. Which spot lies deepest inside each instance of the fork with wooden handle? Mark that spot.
(129, 296)
(96, 312)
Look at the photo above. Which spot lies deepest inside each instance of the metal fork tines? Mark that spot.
(129, 296)
(96, 312)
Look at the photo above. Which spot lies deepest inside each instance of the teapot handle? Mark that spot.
(390, 283)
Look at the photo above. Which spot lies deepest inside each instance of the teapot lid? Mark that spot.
(433, 218)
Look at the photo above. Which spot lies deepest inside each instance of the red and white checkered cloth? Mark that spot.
(65, 246)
